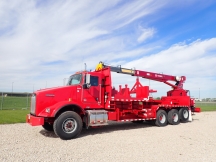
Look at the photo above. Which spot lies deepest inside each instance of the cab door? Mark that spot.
(91, 95)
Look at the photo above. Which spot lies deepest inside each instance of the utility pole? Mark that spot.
(27, 102)
(12, 89)
(199, 93)
(85, 66)
(64, 80)
(2, 101)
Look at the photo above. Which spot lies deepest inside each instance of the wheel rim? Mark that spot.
(185, 114)
(162, 118)
(175, 117)
(69, 125)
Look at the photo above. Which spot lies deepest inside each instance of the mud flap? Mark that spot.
(190, 116)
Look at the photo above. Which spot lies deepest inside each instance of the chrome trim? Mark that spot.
(50, 95)
(96, 117)
(33, 104)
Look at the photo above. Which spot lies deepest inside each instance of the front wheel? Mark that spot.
(68, 125)
(161, 119)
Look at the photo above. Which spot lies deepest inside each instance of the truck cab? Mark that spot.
(84, 92)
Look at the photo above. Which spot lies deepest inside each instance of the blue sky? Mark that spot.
(43, 42)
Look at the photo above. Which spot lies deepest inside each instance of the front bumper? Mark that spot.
(34, 121)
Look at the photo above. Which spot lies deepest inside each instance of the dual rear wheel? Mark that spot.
(173, 117)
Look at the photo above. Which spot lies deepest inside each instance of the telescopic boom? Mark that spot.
(148, 75)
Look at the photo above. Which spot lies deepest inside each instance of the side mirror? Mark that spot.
(87, 84)
(87, 79)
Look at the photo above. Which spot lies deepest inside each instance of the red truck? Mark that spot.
(90, 100)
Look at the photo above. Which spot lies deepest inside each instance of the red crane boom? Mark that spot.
(150, 75)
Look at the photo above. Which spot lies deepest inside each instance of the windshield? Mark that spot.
(75, 79)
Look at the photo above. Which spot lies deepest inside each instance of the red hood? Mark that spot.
(48, 97)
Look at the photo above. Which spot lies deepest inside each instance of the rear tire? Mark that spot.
(47, 126)
(161, 119)
(68, 125)
(173, 117)
(184, 114)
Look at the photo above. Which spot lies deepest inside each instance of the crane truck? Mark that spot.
(90, 100)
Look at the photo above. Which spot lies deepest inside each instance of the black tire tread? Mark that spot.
(182, 119)
(57, 123)
(157, 122)
(170, 117)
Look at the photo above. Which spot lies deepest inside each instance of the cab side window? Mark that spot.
(94, 81)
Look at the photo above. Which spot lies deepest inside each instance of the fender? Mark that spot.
(51, 111)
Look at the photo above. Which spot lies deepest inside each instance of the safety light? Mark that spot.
(178, 78)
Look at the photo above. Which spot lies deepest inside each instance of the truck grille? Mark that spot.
(33, 104)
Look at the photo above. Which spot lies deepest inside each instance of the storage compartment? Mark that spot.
(96, 117)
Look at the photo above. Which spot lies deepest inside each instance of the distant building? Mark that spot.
(198, 99)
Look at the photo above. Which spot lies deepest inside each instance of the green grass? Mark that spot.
(207, 106)
(11, 103)
(13, 116)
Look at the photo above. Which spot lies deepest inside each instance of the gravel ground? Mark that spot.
(193, 141)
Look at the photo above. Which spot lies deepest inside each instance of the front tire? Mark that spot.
(68, 125)
(161, 119)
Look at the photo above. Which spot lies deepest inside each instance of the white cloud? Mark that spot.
(33, 36)
(146, 34)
